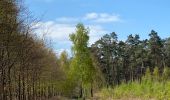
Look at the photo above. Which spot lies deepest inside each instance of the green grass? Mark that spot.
(144, 91)
(152, 87)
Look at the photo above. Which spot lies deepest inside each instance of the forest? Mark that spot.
(109, 69)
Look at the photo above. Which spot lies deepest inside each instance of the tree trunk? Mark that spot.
(91, 90)
(9, 84)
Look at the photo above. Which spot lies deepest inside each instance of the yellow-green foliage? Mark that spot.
(144, 90)
(156, 74)
(166, 73)
(81, 67)
(147, 77)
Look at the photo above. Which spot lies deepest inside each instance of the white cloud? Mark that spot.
(102, 17)
(96, 32)
(55, 31)
(59, 29)
(90, 16)
(60, 32)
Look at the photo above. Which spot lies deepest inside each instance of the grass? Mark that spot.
(152, 87)
(145, 90)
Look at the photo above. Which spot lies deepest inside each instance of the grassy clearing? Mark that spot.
(141, 91)
(152, 87)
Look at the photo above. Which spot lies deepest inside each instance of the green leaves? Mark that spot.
(81, 69)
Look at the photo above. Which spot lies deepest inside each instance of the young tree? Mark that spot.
(64, 62)
(81, 65)
(156, 75)
(166, 74)
(147, 77)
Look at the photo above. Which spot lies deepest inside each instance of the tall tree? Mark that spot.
(167, 52)
(81, 65)
(155, 49)
(106, 51)
(133, 54)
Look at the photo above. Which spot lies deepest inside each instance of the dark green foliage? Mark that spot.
(30, 70)
(155, 45)
(166, 52)
(128, 61)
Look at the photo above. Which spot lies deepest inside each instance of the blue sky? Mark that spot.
(59, 17)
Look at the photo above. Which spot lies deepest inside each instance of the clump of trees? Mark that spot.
(124, 61)
(28, 69)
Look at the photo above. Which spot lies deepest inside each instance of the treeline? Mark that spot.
(28, 68)
(124, 61)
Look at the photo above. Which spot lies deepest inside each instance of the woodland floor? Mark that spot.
(97, 98)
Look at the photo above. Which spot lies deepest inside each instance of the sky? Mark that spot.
(58, 18)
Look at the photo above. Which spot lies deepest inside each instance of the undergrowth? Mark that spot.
(149, 88)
